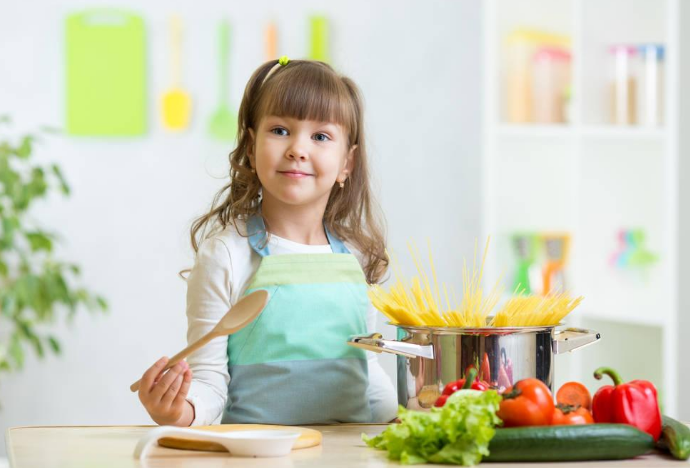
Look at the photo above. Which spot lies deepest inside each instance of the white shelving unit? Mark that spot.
(591, 179)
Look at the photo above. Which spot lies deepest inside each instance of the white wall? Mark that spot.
(683, 260)
(418, 64)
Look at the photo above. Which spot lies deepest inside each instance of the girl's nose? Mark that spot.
(297, 153)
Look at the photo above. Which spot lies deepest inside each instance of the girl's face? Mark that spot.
(299, 161)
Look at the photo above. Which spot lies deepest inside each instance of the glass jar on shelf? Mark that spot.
(651, 84)
(623, 85)
(521, 45)
(551, 81)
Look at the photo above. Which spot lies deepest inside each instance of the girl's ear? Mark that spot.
(250, 147)
(349, 164)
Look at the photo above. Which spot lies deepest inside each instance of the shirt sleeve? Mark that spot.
(383, 398)
(208, 299)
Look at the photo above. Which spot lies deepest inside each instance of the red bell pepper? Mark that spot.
(633, 403)
(474, 384)
(485, 369)
(467, 383)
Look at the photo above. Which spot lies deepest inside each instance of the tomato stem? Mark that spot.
(566, 409)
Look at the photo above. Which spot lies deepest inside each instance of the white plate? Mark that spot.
(261, 443)
(238, 443)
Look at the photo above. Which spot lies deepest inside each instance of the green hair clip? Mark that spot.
(283, 60)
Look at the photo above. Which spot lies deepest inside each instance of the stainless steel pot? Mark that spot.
(430, 357)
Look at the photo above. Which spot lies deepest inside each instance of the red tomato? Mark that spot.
(566, 415)
(574, 394)
(527, 403)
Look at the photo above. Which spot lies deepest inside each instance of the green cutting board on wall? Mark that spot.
(106, 73)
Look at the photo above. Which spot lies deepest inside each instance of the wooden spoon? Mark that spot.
(238, 317)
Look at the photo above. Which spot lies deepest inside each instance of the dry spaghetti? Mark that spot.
(419, 302)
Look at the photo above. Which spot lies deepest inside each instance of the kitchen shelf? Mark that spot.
(535, 131)
(593, 179)
(624, 133)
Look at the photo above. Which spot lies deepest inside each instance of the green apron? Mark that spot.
(292, 364)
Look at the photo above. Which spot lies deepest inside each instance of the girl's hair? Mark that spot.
(304, 90)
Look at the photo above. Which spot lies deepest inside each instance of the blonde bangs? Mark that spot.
(308, 92)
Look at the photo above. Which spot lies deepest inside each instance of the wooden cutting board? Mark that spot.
(308, 437)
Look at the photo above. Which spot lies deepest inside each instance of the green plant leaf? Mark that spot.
(39, 241)
(15, 351)
(33, 286)
(7, 303)
(63, 182)
(49, 129)
(38, 346)
(38, 185)
(10, 224)
(24, 150)
(102, 302)
(54, 344)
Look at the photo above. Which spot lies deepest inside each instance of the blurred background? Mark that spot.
(554, 126)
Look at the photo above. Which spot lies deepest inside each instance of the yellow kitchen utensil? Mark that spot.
(176, 101)
(239, 316)
(271, 41)
(308, 437)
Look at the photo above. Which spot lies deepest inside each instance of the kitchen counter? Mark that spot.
(113, 446)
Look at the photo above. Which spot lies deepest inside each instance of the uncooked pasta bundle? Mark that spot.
(419, 302)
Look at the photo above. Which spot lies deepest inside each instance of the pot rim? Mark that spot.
(475, 330)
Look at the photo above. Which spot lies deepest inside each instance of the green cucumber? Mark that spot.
(568, 443)
(675, 438)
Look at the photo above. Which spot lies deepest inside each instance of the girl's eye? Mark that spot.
(279, 131)
(321, 137)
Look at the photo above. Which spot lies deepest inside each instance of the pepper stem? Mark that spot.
(469, 379)
(514, 393)
(599, 373)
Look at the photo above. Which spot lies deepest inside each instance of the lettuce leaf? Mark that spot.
(457, 433)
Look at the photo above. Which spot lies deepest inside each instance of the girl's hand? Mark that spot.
(163, 393)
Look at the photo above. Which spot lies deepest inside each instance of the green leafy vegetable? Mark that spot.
(457, 433)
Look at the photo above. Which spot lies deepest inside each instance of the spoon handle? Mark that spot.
(182, 354)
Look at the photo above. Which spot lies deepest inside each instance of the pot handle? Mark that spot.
(570, 339)
(375, 342)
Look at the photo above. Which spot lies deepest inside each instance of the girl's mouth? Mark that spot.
(294, 174)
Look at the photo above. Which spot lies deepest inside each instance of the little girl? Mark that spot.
(298, 220)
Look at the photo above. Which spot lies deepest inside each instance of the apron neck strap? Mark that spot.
(256, 232)
(337, 246)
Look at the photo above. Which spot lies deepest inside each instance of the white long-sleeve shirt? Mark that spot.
(225, 263)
